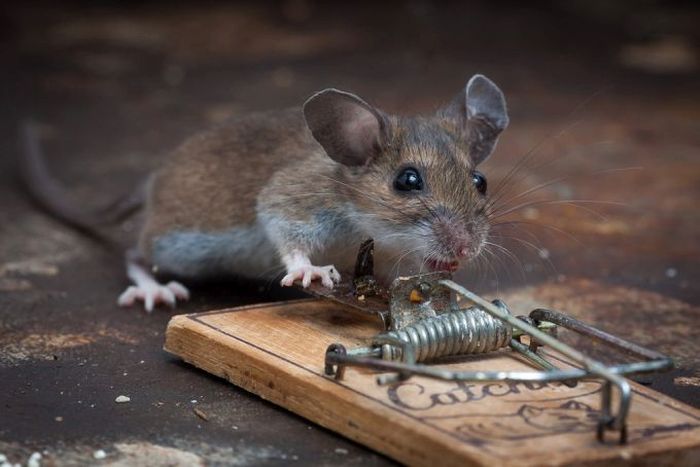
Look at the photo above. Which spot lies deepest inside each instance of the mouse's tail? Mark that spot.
(50, 195)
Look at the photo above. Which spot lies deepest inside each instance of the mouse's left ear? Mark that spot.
(480, 114)
(351, 131)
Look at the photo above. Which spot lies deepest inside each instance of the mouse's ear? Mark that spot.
(350, 130)
(480, 114)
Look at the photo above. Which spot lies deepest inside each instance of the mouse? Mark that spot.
(292, 193)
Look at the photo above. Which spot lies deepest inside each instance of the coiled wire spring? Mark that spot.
(467, 331)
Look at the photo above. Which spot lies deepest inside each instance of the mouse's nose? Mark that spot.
(462, 248)
(453, 233)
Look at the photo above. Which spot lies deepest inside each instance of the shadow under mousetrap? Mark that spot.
(431, 374)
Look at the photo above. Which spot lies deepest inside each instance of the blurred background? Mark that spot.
(605, 120)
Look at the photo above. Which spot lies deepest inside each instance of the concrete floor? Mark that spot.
(605, 97)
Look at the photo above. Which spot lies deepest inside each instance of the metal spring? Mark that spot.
(468, 331)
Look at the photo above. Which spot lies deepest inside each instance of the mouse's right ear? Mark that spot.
(351, 131)
(480, 114)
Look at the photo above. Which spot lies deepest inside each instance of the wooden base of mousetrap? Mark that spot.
(277, 352)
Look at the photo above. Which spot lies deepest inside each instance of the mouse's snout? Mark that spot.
(455, 238)
(462, 250)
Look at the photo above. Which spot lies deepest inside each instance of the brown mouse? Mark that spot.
(294, 192)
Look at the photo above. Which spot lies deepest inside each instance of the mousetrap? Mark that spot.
(431, 374)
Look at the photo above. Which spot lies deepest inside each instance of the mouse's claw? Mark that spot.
(153, 294)
(328, 275)
(179, 290)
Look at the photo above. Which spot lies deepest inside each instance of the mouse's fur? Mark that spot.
(201, 218)
(295, 188)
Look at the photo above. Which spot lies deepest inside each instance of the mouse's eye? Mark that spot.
(409, 179)
(479, 182)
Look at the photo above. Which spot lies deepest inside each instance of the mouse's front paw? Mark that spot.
(328, 274)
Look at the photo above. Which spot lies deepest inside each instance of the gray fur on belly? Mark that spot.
(244, 251)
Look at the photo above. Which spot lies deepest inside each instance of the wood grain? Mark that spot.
(276, 351)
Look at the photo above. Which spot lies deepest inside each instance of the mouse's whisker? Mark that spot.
(508, 181)
(517, 224)
(360, 192)
(509, 254)
(431, 255)
(517, 172)
(527, 233)
(538, 252)
(401, 256)
(572, 202)
(499, 199)
(371, 198)
(484, 260)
